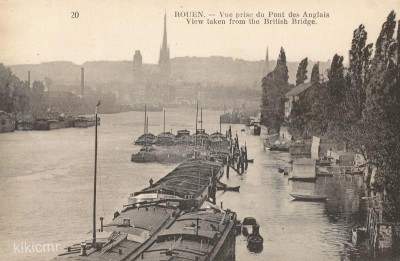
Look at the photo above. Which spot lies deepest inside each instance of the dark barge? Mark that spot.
(187, 186)
(207, 234)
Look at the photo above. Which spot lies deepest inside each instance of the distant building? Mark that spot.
(137, 68)
(293, 95)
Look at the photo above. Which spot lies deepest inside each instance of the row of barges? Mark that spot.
(182, 137)
(166, 221)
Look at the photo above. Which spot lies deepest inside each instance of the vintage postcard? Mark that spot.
(199, 130)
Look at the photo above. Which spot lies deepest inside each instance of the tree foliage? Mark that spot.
(380, 123)
(274, 87)
(315, 78)
(360, 61)
(13, 92)
(301, 75)
(361, 106)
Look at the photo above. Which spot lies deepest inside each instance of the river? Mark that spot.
(46, 180)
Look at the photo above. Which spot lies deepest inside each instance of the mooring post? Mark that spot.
(197, 226)
(238, 165)
(241, 165)
(227, 166)
(245, 156)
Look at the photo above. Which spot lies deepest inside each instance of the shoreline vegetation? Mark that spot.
(356, 105)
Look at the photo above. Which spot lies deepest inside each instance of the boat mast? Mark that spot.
(146, 123)
(201, 118)
(201, 125)
(164, 123)
(145, 117)
(95, 178)
(197, 113)
(220, 133)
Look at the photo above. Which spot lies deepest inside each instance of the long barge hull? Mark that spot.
(150, 212)
(187, 186)
(207, 234)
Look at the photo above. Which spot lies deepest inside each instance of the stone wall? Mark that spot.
(383, 238)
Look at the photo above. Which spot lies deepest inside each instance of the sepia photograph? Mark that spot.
(210, 130)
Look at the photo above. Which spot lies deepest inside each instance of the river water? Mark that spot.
(46, 180)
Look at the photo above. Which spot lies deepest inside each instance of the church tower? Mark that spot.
(137, 68)
(164, 65)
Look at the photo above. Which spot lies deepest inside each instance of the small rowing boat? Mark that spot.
(306, 197)
(237, 188)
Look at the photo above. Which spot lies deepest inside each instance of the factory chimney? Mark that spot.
(82, 81)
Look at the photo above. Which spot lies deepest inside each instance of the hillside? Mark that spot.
(209, 71)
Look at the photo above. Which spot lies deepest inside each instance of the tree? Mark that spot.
(13, 92)
(315, 74)
(300, 116)
(336, 82)
(281, 72)
(359, 72)
(380, 126)
(274, 87)
(301, 75)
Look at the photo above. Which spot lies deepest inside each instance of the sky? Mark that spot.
(38, 31)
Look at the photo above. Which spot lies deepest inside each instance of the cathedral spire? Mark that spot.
(164, 62)
(267, 62)
(164, 44)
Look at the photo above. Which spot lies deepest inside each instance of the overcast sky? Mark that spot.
(43, 30)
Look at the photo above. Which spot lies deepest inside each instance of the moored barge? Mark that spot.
(86, 121)
(150, 212)
(187, 186)
(207, 234)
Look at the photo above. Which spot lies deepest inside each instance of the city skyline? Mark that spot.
(42, 31)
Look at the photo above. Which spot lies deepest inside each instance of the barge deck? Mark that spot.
(150, 212)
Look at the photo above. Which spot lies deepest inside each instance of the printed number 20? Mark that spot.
(75, 15)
